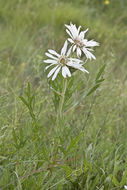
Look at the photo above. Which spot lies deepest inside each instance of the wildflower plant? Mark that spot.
(76, 51)
(62, 70)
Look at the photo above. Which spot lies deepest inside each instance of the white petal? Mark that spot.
(75, 60)
(78, 52)
(53, 52)
(91, 43)
(70, 40)
(83, 70)
(84, 41)
(64, 49)
(52, 71)
(49, 66)
(77, 66)
(68, 26)
(50, 61)
(56, 73)
(90, 49)
(82, 34)
(74, 47)
(73, 64)
(51, 56)
(67, 71)
(69, 51)
(64, 72)
(79, 29)
(88, 54)
(125, 186)
(72, 29)
(69, 33)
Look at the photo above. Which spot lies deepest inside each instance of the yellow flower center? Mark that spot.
(62, 60)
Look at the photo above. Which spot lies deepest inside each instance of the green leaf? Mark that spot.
(32, 100)
(114, 180)
(100, 72)
(74, 142)
(28, 89)
(124, 178)
(67, 169)
(99, 81)
(24, 101)
(92, 89)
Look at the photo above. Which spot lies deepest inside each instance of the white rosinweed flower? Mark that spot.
(125, 186)
(79, 43)
(62, 62)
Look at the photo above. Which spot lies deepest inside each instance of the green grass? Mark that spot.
(33, 155)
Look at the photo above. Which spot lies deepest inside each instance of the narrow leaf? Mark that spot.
(24, 101)
(100, 72)
(92, 89)
(99, 81)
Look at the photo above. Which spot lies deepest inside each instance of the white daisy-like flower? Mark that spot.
(62, 62)
(79, 43)
(125, 186)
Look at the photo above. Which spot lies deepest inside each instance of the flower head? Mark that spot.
(62, 62)
(125, 186)
(78, 41)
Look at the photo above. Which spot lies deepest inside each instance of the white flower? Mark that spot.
(125, 186)
(62, 62)
(79, 43)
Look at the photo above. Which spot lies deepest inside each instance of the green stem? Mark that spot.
(62, 99)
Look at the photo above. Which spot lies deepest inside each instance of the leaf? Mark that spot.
(74, 142)
(24, 101)
(28, 90)
(32, 99)
(124, 178)
(67, 169)
(30, 102)
(100, 72)
(99, 81)
(114, 180)
(92, 89)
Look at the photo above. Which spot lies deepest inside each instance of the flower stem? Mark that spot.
(60, 114)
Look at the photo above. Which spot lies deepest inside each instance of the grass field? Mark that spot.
(88, 149)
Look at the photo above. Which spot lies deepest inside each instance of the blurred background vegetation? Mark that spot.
(27, 29)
